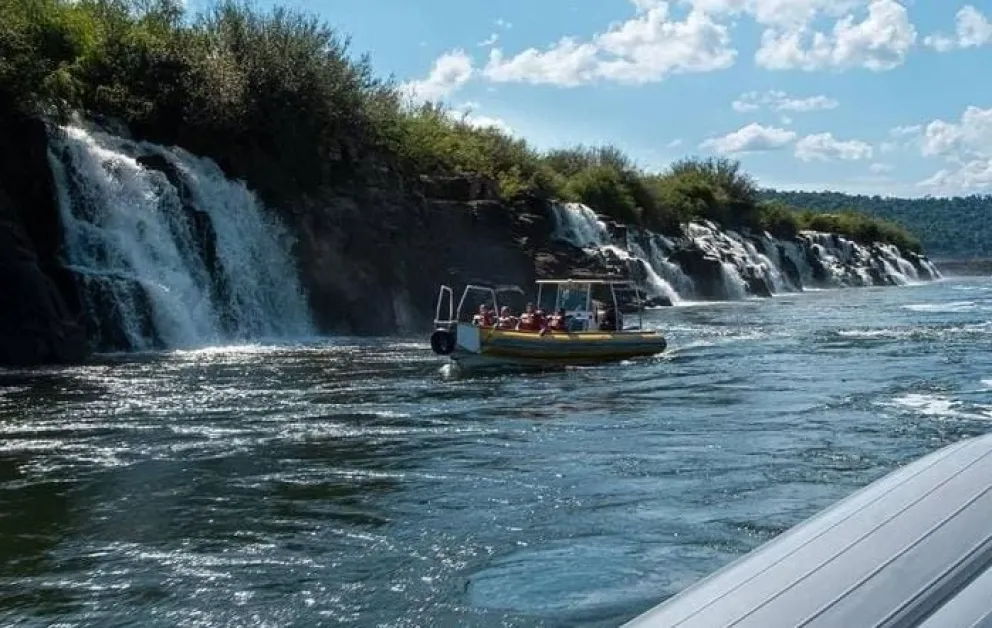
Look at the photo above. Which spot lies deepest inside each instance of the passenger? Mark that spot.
(528, 320)
(539, 319)
(506, 319)
(557, 322)
(484, 318)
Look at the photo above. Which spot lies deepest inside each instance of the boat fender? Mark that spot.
(442, 342)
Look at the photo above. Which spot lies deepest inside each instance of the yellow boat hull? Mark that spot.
(475, 346)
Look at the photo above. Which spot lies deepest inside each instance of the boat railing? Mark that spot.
(454, 313)
(445, 292)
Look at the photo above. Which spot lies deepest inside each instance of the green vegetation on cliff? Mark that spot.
(277, 99)
(959, 226)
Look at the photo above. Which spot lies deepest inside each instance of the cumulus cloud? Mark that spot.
(880, 41)
(880, 168)
(646, 48)
(752, 138)
(965, 145)
(825, 147)
(778, 13)
(972, 29)
(466, 112)
(970, 136)
(779, 101)
(449, 73)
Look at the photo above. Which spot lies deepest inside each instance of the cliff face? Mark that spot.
(372, 259)
(152, 247)
(39, 312)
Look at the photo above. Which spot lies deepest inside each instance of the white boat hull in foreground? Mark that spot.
(913, 548)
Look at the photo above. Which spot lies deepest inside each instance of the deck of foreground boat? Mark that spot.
(913, 548)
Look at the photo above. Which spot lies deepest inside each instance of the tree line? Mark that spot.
(278, 99)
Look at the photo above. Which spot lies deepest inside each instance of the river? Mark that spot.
(349, 481)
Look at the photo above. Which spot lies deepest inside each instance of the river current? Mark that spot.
(350, 481)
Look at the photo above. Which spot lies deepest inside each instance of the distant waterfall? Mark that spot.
(724, 264)
(167, 251)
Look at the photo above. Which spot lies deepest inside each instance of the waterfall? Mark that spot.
(167, 251)
(579, 225)
(708, 262)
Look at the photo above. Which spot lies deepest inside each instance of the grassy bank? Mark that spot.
(277, 98)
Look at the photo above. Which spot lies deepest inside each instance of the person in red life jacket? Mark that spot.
(557, 322)
(484, 318)
(529, 320)
(506, 319)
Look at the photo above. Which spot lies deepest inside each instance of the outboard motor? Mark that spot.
(443, 341)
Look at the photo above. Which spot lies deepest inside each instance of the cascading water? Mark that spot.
(739, 266)
(168, 252)
(579, 225)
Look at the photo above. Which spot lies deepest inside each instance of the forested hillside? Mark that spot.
(948, 227)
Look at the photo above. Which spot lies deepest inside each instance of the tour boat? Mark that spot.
(586, 340)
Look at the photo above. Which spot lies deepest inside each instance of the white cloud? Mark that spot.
(969, 137)
(880, 168)
(450, 71)
(466, 113)
(646, 48)
(779, 101)
(972, 176)
(501, 23)
(825, 147)
(965, 146)
(567, 64)
(880, 41)
(752, 138)
(904, 131)
(779, 13)
(972, 29)
(674, 143)
(489, 41)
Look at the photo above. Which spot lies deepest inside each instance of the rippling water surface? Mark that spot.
(349, 481)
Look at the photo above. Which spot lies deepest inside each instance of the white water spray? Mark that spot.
(201, 263)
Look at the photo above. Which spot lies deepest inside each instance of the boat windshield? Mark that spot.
(573, 297)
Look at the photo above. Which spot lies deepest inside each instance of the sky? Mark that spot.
(887, 97)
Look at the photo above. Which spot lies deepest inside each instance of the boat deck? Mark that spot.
(912, 549)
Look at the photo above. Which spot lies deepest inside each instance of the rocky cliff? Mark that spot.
(109, 243)
(39, 311)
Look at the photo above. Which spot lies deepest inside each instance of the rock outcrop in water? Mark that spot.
(116, 244)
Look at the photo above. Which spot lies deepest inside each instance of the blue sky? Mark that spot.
(869, 96)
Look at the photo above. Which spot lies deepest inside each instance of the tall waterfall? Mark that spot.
(707, 262)
(167, 251)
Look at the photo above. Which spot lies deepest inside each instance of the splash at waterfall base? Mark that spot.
(583, 340)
